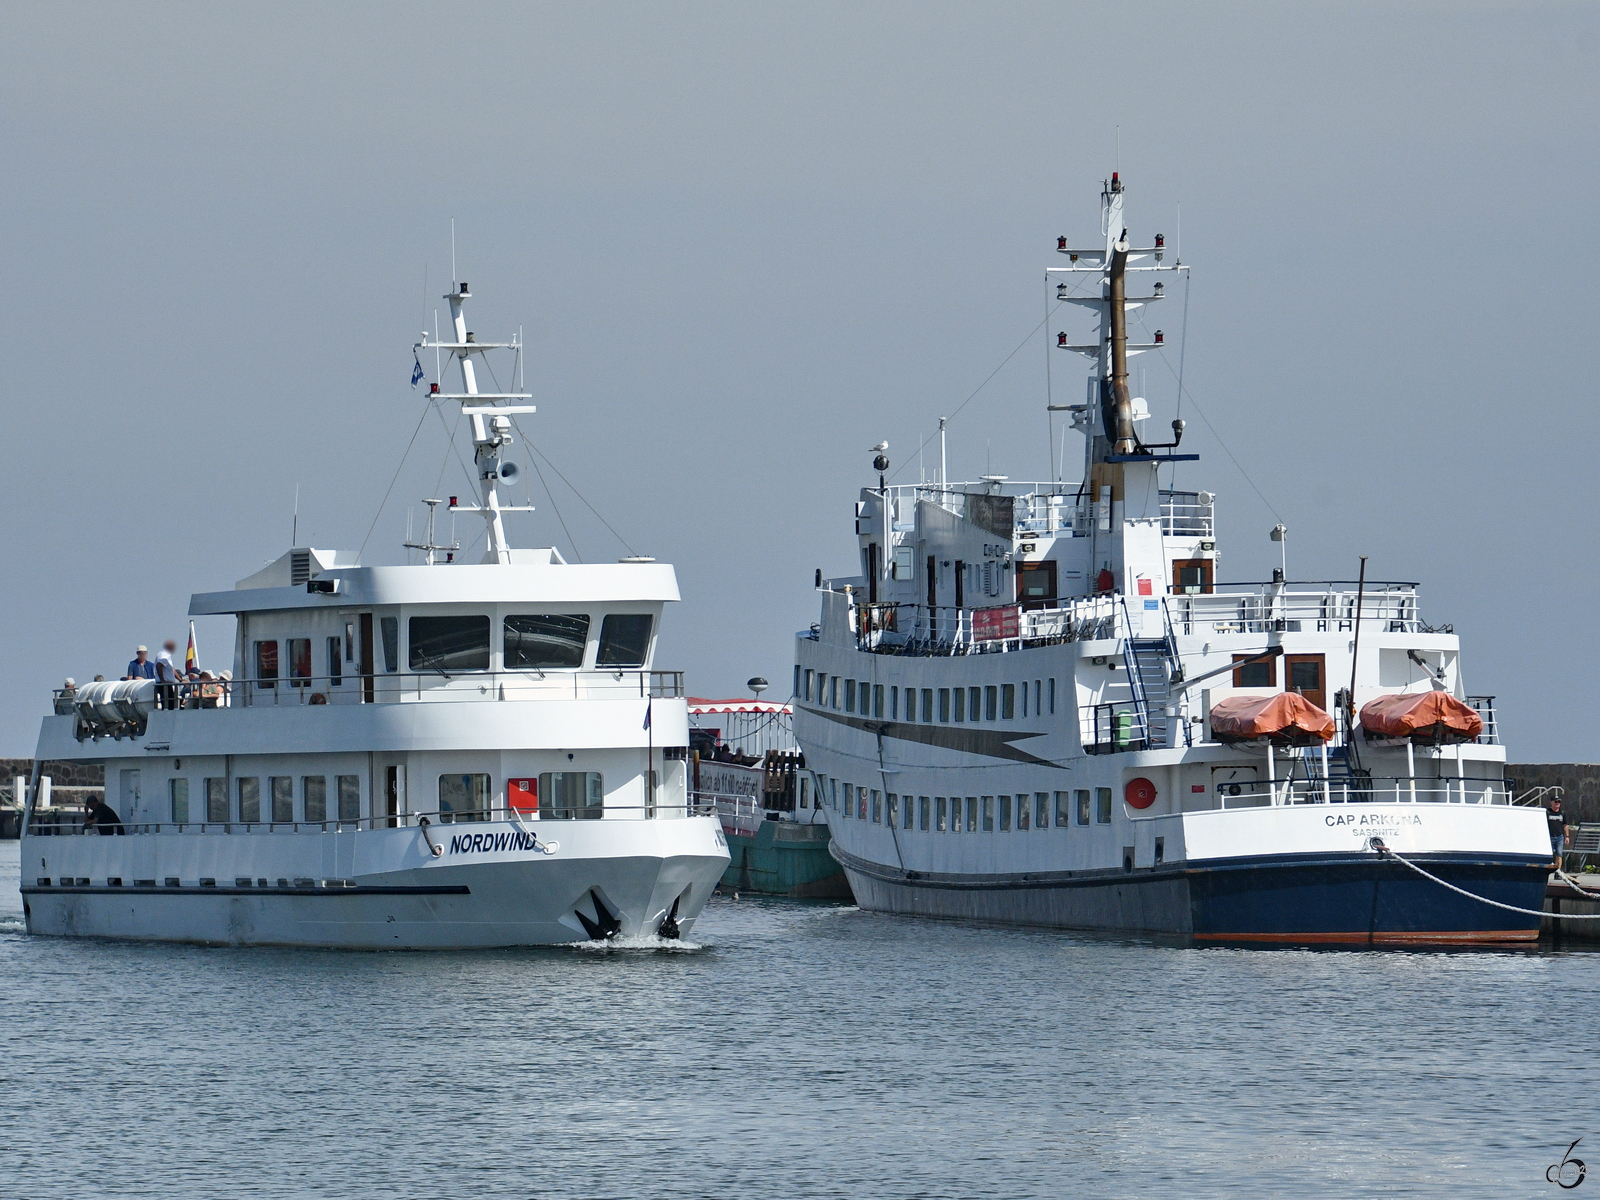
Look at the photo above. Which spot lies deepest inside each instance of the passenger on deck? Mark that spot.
(102, 818)
(168, 677)
(141, 667)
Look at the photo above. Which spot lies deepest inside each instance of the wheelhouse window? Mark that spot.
(572, 795)
(299, 662)
(449, 643)
(314, 793)
(349, 797)
(249, 800)
(335, 662)
(217, 801)
(266, 664)
(624, 640)
(282, 799)
(178, 794)
(464, 798)
(540, 640)
(389, 630)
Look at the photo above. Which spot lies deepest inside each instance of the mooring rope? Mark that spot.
(1377, 844)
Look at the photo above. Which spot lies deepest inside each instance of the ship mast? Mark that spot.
(490, 414)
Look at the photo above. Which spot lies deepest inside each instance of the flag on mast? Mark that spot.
(416, 375)
(191, 656)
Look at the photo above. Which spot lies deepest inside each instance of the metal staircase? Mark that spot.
(1146, 662)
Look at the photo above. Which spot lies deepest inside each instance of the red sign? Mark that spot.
(993, 624)
(522, 795)
(1144, 587)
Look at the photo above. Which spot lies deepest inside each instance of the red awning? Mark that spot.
(699, 706)
(1435, 718)
(1286, 719)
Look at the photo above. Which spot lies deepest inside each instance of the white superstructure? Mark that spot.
(438, 755)
(1008, 710)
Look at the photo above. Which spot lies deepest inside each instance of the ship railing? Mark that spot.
(66, 823)
(1115, 727)
(1484, 705)
(1363, 790)
(745, 813)
(1268, 608)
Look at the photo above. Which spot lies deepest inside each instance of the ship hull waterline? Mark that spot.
(773, 860)
(1290, 899)
(480, 900)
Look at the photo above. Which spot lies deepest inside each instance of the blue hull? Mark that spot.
(1344, 900)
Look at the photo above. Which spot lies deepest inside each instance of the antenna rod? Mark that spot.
(944, 479)
(1355, 652)
(1121, 406)
(294, 536)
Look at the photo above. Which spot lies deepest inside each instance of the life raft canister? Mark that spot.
(1140, 793)
(1105, 581)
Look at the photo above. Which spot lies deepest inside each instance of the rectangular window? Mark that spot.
(266, 664)
(961, 704)
(795, 690)
(861, 803)
(1102, 806)
(282, 798)
(988, 814)
(1008, 702)
(624, 640)
(178, 795)
(217, 801)
(349, 797)
(908, 815)
(877, 807)
(991, 696)
(972, 814)
(314, 795)
(335, 662)
(1041, 810)
(1081, 796)
(1063, 809)
(833, 692)
(939, 803)
(805, 791)
(536, 641)
(810, 678)
(877, 701)
(974, 703)
(927, 706)
(850, 695)
(1052, 697)
(299, 662)
(449, 643)
(349, 641)
(389, 633)
(833, 794)
(922, 812)
(1262, 673)
(891, 805)
(249, 801)
(569, 795)
(847, 800)
(1037, 696)
(1024, 699)
(467, 797)
(864, 694)
(1005, 813)
(894, 704)
(944, 705)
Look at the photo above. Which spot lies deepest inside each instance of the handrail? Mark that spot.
(1398, 789)
(439, 821)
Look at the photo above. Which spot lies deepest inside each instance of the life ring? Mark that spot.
(1140, 793)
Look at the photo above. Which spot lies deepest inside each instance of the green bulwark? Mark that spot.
(783, 858)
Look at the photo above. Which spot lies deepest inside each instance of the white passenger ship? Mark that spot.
(1036, 704)
(426, 756)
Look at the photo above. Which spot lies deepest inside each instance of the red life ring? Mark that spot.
(1140, 793)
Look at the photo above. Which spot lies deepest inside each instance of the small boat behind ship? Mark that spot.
(748, 769)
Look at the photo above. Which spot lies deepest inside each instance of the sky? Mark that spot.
(746, 243)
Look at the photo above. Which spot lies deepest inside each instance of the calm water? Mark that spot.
(800, 1051)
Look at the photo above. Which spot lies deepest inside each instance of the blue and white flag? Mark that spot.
(416, 375)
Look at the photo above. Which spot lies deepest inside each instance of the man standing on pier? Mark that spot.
(1558, 827)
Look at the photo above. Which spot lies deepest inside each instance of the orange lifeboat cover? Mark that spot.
(1286, 717)
(1430, 716)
